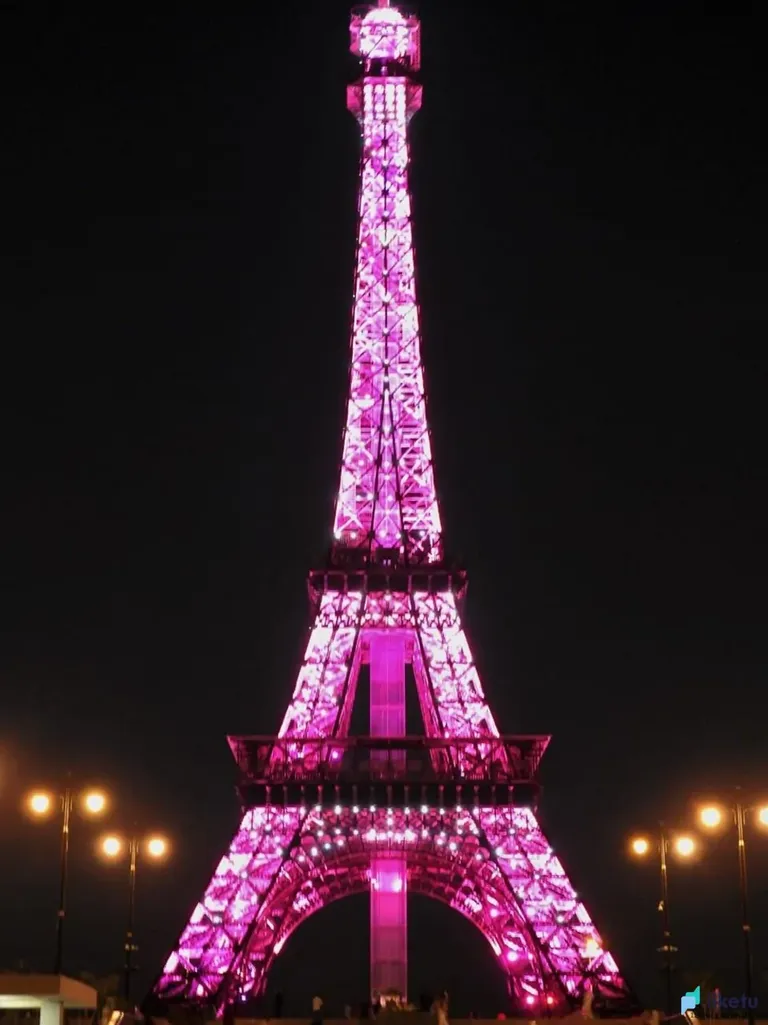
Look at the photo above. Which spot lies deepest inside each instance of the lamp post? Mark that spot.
(684, 847)
(712, 817)
(41, 804)
(154, 847)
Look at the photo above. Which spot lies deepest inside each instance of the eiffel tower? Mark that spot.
(451, 813)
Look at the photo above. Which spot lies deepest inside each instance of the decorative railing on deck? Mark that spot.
(505, 760)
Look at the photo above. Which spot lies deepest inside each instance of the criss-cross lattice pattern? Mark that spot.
(493, 865)
(450, 693)
(387, 491)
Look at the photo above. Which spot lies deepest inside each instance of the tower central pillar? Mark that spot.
(389, 891)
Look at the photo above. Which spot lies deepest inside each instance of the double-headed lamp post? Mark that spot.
(684, 847)
(713, 817)
(42, 804)
(153, 847)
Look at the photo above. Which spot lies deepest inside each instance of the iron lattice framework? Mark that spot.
(449, 814)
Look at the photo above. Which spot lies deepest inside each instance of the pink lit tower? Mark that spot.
(450, 812)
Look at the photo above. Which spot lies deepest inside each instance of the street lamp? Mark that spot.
(154, 847)
(684, 847)
(713, 817)
(41, 804)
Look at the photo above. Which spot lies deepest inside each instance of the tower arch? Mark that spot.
(358, 883)
(490, 864)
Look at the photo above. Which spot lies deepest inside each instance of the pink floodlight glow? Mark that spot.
(451, 696)
(389, 924)
(387, 603)
(387, 497)
(235, 934)
(384, 34)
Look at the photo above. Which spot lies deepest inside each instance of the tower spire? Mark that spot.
(386, 499)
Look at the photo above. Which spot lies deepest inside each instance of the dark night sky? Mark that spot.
(178, 221)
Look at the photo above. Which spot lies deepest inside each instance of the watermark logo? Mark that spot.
(690, 1001)
(716, 1003)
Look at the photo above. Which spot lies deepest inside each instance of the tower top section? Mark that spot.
(386, 511)
(384, 33)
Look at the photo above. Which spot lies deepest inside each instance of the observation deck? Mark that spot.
(353, 570)
(383, 579)
(389, 771)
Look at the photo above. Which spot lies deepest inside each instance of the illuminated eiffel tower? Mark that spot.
(449, 814)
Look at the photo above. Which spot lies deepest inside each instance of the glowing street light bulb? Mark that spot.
(40, 803)
(112, 846)
(762, 816)
(95, 802)
(157, 847)
(711, 817)
(640, 846)
(685, 846)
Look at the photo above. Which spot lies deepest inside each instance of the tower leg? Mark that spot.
(389, 893)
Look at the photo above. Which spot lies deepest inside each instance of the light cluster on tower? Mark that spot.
(504, 877)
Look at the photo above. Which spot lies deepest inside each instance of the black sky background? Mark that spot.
(178, 218)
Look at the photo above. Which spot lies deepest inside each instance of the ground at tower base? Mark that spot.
(427, 1018)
